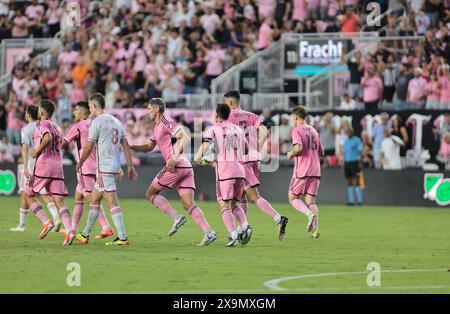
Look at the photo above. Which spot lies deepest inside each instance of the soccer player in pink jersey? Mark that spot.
(256, 133)
(178, 171)
(305, 181)
(86, 177)
(48, 172)
(229, 140)
(107, 134)
(27, 138)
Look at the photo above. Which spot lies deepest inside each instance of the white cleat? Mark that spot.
(177, 225)
(19, 228)
(232, 242)
(208, 239)
(57, 225)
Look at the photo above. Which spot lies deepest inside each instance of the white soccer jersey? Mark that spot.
(27, 135)
(107, 132)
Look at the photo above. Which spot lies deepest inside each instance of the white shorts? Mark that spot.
(106, 182)
(24, 180)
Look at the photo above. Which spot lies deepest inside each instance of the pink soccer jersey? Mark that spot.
(49, 162)
(307, 164)
(79, 132)
(230, 140)
(249, 123)
(163, 133)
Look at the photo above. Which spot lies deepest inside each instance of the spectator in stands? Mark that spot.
(403, 79)
(444, 150)
(399, 130)
(423, 21)
(378, 136)
(367, 153)
(266, 118)
(214, 58)
(285, 134)
(355, 67)
(265, 33)
(15, 119)
(347, 103)
(210, 20)
(35, 13)
(390, 151)
(327, 133)
(80, 72)
(372, 90)
(433, 93)
(350, 21)
(20, 25)
(444, 87)
(282, 11)
(169, 89)
(3, 116)
(6, 150)
(432, 8)
(389, 80)
(54, 14)
(416, 90)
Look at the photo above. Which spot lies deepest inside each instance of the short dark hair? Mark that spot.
(84, 105)
(233, 94)
(223, 111)
(300, 111)
(159, 102)
(32, 110)
(99, 99)
(48, 106)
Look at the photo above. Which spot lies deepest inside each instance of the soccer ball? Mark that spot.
(207, 159)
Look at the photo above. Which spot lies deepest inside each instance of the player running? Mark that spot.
(178, 171)
(305, 181)
(48, 172)
(108, 135)
(256, 134)
(87, 175)
(27, 136)
(230, 175)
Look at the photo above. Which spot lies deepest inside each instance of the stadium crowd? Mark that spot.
(133, 50)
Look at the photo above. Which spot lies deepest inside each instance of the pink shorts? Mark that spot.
(85, 184)
(182, 178)
(227, 190)
(304, 186)
(252, 171)
(52, 186)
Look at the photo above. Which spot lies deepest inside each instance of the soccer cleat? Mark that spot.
(315, 234)
(232, 242)
(248, 235)
(311, 220)
(82, 239)
(57, 225)
(282, 226)
(19, 228)
(208, 239)
(177, 225)
(69, 237)
(105, 233)
(62, 231)
(45, 229)
(118, 242)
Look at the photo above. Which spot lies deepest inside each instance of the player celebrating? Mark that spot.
(48, 172)
(305, 181)
(178, 171)
(230, 174)
(27, 136)
(86, 176)
(252, 127)
(109, 135)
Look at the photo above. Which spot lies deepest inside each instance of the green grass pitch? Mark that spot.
(351, 237)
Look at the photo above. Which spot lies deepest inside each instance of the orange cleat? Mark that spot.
(45, 229)
(68, 238)
(105, 233)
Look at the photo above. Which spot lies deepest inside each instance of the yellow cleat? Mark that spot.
(315, 234)
(117, 242)
(82, 239)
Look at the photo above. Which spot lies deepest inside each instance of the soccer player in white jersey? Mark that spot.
(108, 134)
(27, 138)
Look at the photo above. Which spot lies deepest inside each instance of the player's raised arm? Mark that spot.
(148, 147)
(46, 139)
(132, 174)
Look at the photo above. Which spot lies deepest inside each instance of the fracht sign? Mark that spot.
(324, 53)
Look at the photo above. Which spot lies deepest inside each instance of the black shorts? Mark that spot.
(351, 169)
